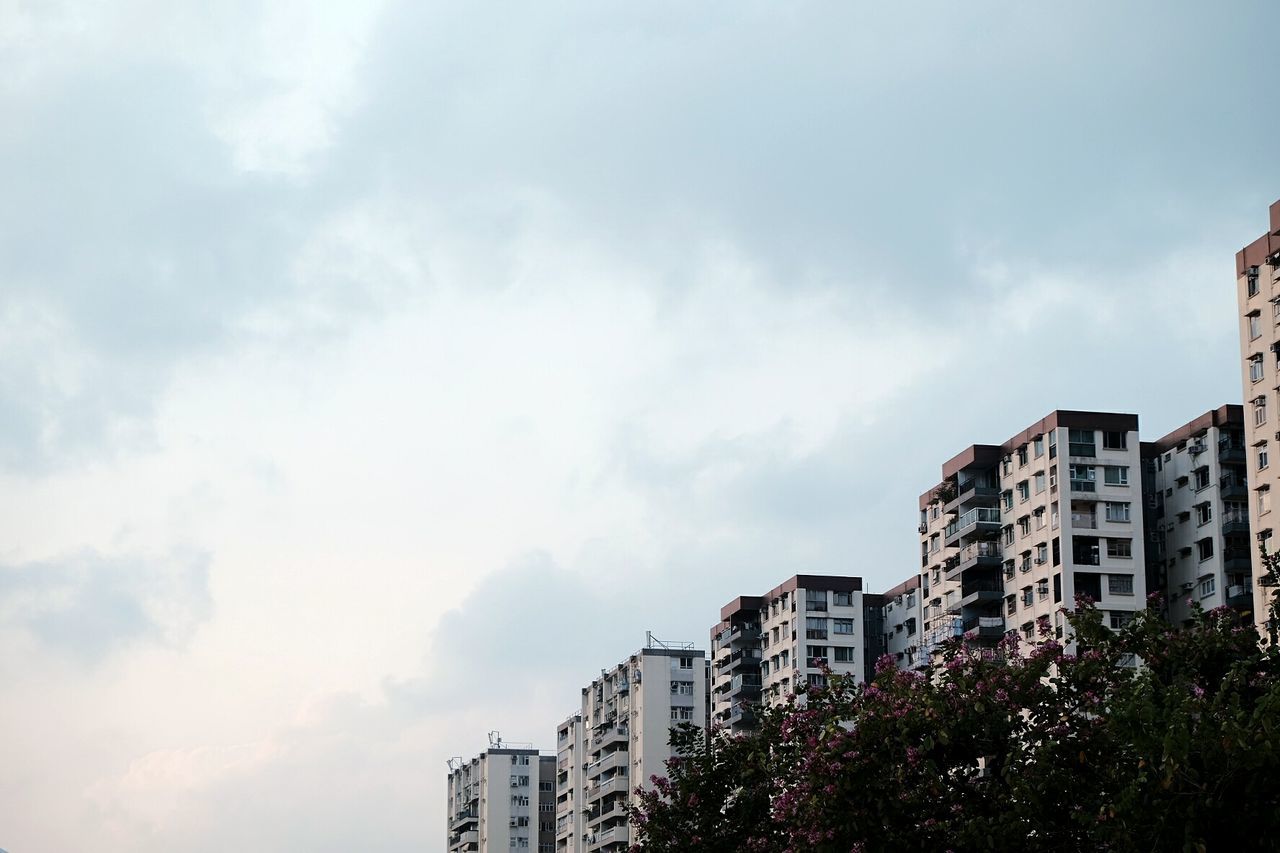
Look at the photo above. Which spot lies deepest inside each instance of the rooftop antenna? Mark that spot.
(495, 739)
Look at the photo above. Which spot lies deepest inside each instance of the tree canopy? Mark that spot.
(1142, 739)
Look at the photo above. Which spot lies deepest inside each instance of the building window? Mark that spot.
(815, 628)
(1008, 534)
(1042, 553)
(1115, 475)
(1082, 478)
(1120, 548)
(1024, 526)
(1037, 446)
(1255, 367)
(1120, 618)
(1114, 440)
(1038, 512)
(1255, 325)
(1208, 586)
(816, 599)
(1120, 584)
(1053, 445)
(842, 626)
(1204, 513)
(1264, 500)
(1205, 547)
(1027, 596)
(1053, 515)
(1259, 410)
(682, 712)
(1262, 450)
(844, 599)
(1117, 512)
(1042, 589)
(1022, 456)
(686, 663)
(682, 688)
(1081, 442)
(1202, 477)
(1039, 481)
(1024, 491)
(844, 654)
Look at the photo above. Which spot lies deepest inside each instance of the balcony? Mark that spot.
(611, 734)
(613, 836)
(978, 592)
(1236, 560)
(974, 493)
(607, 809)
(469, 840)
(743, 685)
(1235, 522)
(613, 785)
(1232, 487)
(977, 520)
(976, 554)
(1084, 520)
(1240, 595)
(607, 762)
(749, 631)
(742, 715)
(986, 627)
(1229, 451)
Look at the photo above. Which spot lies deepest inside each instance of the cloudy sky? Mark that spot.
(371, 376)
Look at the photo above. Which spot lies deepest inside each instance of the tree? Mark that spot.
(1022, 747)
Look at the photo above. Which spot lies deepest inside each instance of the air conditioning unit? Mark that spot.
(1196, 447)
(923, 527)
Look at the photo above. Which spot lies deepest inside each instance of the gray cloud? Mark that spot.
(88, 605)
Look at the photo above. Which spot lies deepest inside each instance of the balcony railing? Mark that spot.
(1087, 520)
(976, 550)
(977, 515)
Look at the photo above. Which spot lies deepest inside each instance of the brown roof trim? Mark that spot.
(1256, 253)
(1231, 414)
(834, 583)
(1275, 219)
(1072, 419)
(982, 455)
(927, 498)
(742, 602)
(907, 585)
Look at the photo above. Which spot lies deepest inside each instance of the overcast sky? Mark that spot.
(370, 378)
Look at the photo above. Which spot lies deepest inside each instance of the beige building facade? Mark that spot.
(1015, 531)
(1258, 300)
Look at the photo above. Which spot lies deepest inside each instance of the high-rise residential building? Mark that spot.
(1258, 297)
(902, 624)
(1015, 531)
(502, 799)
(570, 758)
(1197, 514)
(627, 717)
(765, 647)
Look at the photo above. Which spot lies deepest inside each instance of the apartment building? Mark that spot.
(1195, 480)
(1258, 298)
(570, 757)
(767, 646)
(1015, 531)
(903, 624)
(735, 664)
(502, 799)
(808, 624)
(627, 715)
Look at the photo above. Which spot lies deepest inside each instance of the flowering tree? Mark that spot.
(1024, 747)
